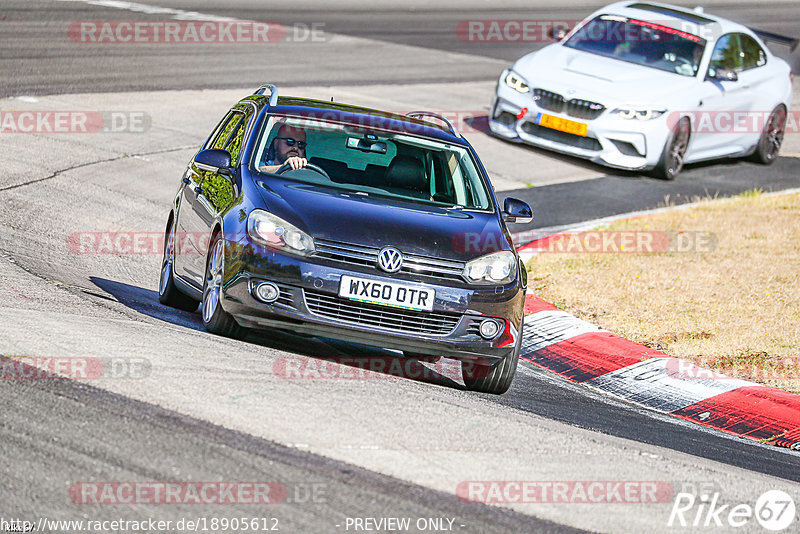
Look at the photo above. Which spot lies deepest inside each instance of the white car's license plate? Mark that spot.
(387, 293)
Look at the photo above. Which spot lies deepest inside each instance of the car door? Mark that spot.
(759, 83)
(196, 214)
(722, 104)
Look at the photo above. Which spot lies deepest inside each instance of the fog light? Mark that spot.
(489, 329)
(267, 292)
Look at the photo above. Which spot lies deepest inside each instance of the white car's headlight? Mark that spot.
(515, 81)
(273, 232)
(494, 268)
(641, 114)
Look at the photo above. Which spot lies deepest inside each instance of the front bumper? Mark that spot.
(610, 141)
(309, 304)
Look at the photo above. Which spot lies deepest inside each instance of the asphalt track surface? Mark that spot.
(55, 432)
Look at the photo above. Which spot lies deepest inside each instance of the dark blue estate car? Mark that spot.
(390, 236)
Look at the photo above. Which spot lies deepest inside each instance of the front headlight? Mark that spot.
(636, 113)
(515, 81)
(494, 268)
(273, 232)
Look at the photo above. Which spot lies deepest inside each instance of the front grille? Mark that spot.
(368, 256)
(549, 100)
(376, 316)
(587, 143)
(285, 297)
(582, 109)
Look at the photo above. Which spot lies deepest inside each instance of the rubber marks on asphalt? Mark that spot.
(581, 352)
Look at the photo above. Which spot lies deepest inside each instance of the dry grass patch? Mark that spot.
(735, 309)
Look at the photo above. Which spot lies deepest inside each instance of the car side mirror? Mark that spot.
(558, 34)
(725, 75)
(517, 211)
(214, 160)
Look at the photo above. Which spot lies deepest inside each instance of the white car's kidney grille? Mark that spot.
(582, 109)
(549, 100)
(376, 316)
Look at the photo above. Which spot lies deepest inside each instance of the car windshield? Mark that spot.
(378, 163)
(643, 43)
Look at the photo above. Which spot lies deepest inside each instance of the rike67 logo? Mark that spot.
(774, 510)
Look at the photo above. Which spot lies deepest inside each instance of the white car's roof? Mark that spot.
(680, 18)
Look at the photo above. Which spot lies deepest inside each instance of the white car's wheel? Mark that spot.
(769, 145)
(671, 162)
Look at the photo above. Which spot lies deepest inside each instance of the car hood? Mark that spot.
(577, 74)
(340, 215)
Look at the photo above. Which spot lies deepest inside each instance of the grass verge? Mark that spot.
(731, 303)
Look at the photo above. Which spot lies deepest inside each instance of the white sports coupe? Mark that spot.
(647, 86)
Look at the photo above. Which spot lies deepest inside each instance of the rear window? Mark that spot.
(379, 163)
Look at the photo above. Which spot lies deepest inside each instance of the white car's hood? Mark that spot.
(576, 74)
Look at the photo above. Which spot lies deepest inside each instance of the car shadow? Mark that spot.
(365, 362)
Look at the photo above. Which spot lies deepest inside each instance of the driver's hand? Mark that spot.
(296, 162)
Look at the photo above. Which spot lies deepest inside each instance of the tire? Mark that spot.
(421, 357)
(168, 293)
(769, 144)
(496, 378)
(215, 319)
(671, 162)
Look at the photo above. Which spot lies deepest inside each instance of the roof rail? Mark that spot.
(419, 114)
(774, 37)
(273, 93)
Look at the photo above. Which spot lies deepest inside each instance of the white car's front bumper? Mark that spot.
(610, 140)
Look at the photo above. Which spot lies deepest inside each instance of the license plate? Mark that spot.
(387, 293)
(562, 125)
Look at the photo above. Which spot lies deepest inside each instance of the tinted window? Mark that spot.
(726, 54)
(641, 42)
(403, 166)
(223, 128)
(230, 136)
(752, 54)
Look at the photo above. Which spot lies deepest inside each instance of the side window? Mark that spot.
(726, 54)
(232, 126)
(223, 127)
(752, 54)
(230, 136)
(235, 140)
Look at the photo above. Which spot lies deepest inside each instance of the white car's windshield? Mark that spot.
(640, 42)
(380, 163)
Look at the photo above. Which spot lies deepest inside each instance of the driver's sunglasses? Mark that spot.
(291, 142)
